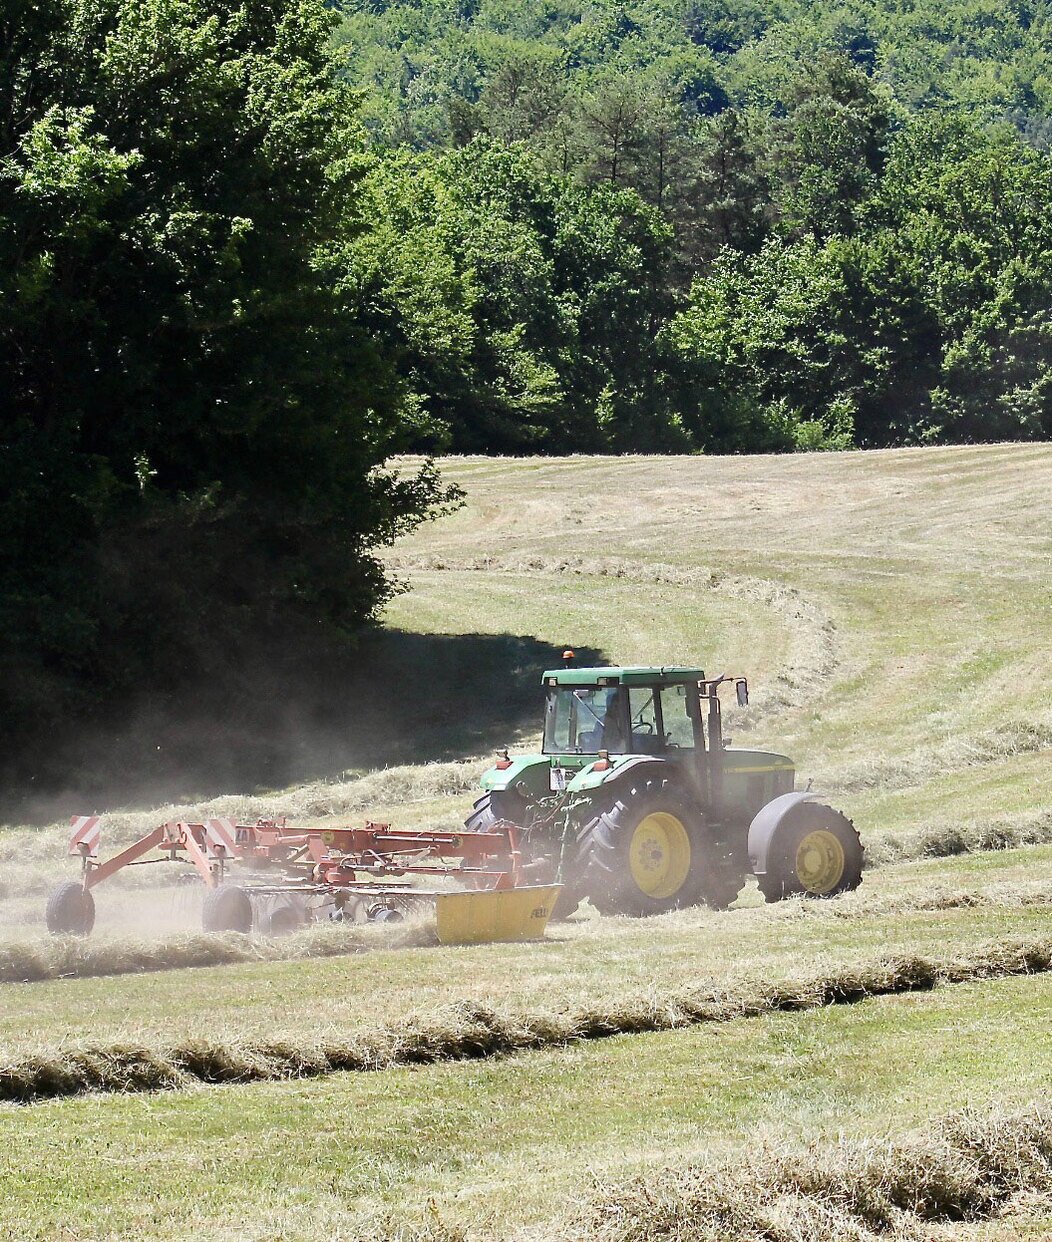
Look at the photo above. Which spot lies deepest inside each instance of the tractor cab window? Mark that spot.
(584, 720)
(646, 736)
(675, 718)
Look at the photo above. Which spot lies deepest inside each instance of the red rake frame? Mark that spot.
(310, 859)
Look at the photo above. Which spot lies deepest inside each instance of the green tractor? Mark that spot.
(641, 805)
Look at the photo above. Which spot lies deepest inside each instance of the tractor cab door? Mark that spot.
(645, 720)
(683, 730)
(679, 717)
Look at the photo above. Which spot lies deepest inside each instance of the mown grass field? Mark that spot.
(892, 610)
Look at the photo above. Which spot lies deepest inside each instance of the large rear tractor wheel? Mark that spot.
(817, 854)
(644, 853)
(227, 908)
(70, 910)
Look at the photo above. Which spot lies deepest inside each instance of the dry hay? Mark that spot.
(949, 840)
(470, 1031)
(954, 754)
(966, 1168)
(813, 643)
(860, 904)
(71, 957)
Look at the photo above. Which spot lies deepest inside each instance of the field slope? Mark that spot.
(892, 611)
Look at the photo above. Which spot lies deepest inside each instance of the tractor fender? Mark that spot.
(526, 767)
(589, 778)
(766, 824)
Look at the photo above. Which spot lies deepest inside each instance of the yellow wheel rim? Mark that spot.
(659, 854)
(820, 861)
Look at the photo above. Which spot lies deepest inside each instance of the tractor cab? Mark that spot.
(623, 711)
(599, 722)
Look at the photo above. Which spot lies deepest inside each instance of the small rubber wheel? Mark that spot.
(386, 914)
(817, 853)
(227, 908)
(70, 910)
(282, 920)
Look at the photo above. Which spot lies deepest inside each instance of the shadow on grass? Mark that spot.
(298, 713)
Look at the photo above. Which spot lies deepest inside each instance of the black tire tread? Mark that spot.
(227, 908)
(598, 864)
(70, 910)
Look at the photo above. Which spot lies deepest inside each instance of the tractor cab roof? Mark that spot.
(634, 675)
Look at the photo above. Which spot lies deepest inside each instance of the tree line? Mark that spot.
(251, 253)
(793, 226)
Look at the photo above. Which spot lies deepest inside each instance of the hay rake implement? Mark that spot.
(274, 877)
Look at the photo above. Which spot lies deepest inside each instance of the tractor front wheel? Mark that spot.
(70, 910)
(227, 908)
(492, 808)
(818, 853)
(644, 853)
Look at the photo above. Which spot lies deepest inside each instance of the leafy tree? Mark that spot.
(726, 192)
(827, 152)
(192, 417)
(525, 308)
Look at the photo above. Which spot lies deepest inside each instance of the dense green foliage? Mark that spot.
(523, 308)
(795, 225)
(249, 249)
(193, 410)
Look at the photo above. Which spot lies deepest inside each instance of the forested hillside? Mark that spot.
(248, 254)
(727, 226)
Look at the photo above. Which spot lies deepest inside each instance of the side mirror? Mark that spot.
(741, 688)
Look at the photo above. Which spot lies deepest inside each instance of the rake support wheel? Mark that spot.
(70, 910)
(227, 908)
(282, 920)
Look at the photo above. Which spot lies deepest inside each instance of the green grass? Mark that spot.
(588, 962)
(889, 609)
(501, 1142)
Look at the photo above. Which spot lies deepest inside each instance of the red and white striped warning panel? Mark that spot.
(86, 833)
(220, 832)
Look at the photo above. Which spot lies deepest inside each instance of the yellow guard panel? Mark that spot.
(491, 914)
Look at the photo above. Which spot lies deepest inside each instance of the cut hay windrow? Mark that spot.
(813, 641)
(73, 957)
(470, 1032)
(950, 840)
(48, 958)
(966, 1168)
(861, 905)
